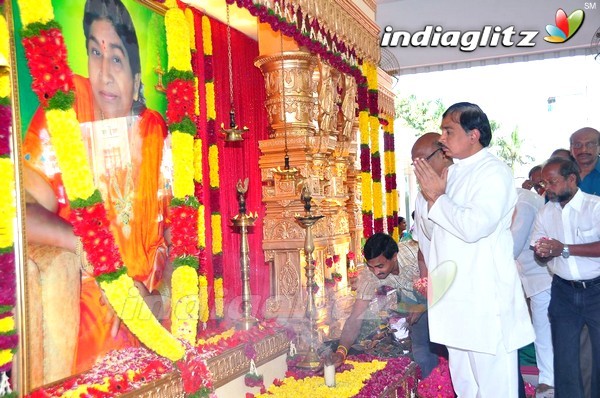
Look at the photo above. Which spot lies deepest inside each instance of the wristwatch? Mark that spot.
(565, 252)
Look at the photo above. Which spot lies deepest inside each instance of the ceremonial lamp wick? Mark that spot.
(311, 359)
(243, 221)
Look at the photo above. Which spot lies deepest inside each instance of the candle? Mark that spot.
(329, 371)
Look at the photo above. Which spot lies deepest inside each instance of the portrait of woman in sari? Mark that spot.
(125, 142)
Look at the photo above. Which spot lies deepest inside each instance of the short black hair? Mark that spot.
(566, 167)
(379, 244)
(534, 169)
(566, 152)
(400, 219)
(470, 117)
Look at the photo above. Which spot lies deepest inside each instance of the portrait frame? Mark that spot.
(148, 19)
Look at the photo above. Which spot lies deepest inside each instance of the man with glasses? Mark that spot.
(566, 236)
(476, 304)
(585, 149)
(424, 351)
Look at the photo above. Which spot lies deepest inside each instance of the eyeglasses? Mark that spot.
(587, 145)
(432, 153)
(428, 158)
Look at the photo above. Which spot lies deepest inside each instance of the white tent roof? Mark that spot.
(473, 15)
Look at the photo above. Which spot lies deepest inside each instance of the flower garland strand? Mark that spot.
(213, 166)
(365, 155)
(46, 54)
(375, 154)
(391, 201)
(8, 333)
(199, 179)
(181, 107)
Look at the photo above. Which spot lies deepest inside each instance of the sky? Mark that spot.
(515, 95)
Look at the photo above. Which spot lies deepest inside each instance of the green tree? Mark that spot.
(420, 115)
(509, 148)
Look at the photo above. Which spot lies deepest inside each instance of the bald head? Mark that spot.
(427, 147)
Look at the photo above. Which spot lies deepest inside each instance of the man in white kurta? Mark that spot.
(536, 280)
(476, 304)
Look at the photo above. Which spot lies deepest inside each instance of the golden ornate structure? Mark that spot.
(318, 117)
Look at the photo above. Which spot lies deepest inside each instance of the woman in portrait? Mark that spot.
(125, 146)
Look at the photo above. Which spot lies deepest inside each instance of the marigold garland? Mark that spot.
(390, 178)
(371, 73)
(7, 204)
(219, 297)
(178, 40)
(213, 167)
(8, 333)
(365, 155)
(185, 307)
(203, 295)
(139, 319)
(184, 215)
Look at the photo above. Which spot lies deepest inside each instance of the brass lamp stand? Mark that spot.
(243, 221)
(311, 359)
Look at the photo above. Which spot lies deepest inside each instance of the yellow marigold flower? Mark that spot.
(5, 357)
(206, 36)
(211, 112)
(171, 3)
(189, 16)
(389, 200)
(36, 11)
(371, 76)
(196, 96)
(183, 164)
(124, 297)
(71, 153)
(374, 129)
(203, 294)
(7, 202)
(389, 161)
(7, 324)
(219, 297)
(213, 164)
(178, 40)
(184, 303)
(377, 200)
(4, 85)
(4, 39)
(363, 127)
(201, 227)
(367, 192)
(217, 242)
(348, 383)
(198, 160)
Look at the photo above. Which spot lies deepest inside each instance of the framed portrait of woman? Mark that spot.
(117, 52)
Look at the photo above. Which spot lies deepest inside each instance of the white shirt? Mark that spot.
(578, 222)
(475, 295)
(535, 277)
(423, 226)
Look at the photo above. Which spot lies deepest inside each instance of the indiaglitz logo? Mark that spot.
(488, 36)
(565, 26)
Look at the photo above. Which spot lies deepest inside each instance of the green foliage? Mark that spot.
(421, 115)
(509, 148)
